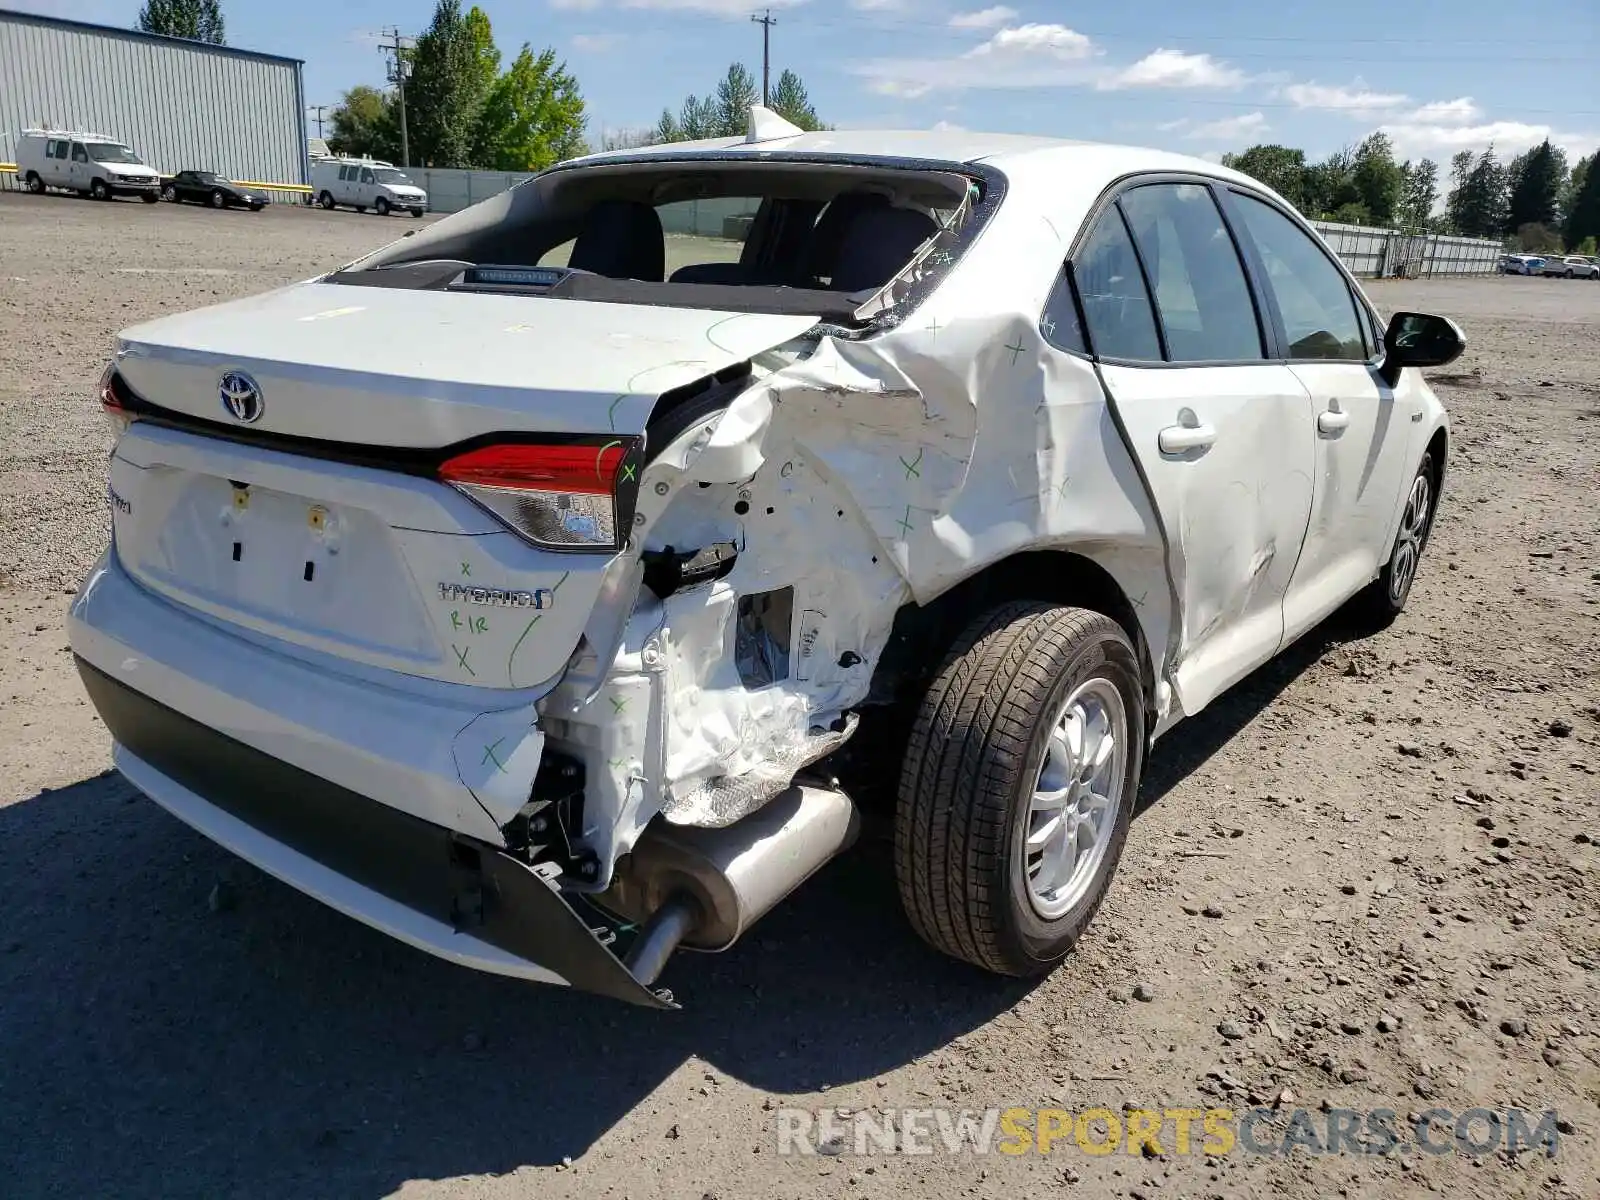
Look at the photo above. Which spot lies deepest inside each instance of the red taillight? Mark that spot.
(591, 470)
(559, 497)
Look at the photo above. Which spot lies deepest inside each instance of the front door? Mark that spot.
(1363, 433)
(1222, 433)
(78, 168)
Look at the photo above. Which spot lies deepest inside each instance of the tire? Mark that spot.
(35, 184)
(1385, 597)
(218, 200)
(150, 198)
(99, 191)
(993, 727)
(169, 194)
(1568, 275)
(326, 200)
(417, 213)
(361, 208)
(381, 207)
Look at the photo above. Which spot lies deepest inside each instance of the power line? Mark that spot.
(766, 23)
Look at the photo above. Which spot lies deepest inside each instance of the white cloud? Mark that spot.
(1174, 69)
(1357, 99)
(1508, 137)
(595, 43)
(1240, 128)
(948, 127)
(891, 6)
(1446, 112)
(900, 89)
(576, 5)
(983, 18)
(1055, 41)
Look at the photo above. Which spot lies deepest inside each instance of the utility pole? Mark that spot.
(319, 109)
(766, 23)
(398, 70)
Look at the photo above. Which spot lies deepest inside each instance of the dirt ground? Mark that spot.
(1365, 879)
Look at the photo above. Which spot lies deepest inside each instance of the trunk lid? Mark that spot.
(378, 567)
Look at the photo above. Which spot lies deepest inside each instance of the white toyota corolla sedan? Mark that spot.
(549, 588)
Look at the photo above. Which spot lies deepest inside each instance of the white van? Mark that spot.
(91, 164)
(363, 183)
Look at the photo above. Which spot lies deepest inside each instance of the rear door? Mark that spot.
(1221, 432)
(1365, 436)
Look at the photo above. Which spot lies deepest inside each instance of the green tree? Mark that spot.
(532, 118)
(791, 102)
(667, 128)
(366, 122)
(1460, 171)
(446, 90)
(736, 95)
(1583, 217)
(1536, 181)
(1478, 203)
(484, 52)
(1418, 193)
(1281, 168)
(198, 20)
(1377, 178)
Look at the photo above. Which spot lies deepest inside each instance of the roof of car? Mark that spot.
(943, 145)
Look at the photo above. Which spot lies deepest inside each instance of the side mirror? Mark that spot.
(1419, 340)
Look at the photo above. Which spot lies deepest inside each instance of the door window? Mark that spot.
(366, 175)
(1201, 295)
(79, 154)
(1116, 305)
(1314, 301)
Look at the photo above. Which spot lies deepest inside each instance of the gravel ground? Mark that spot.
(1364, 879)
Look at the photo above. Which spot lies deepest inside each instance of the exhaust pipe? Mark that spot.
(705, 887)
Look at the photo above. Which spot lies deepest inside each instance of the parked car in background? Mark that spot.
(1572, 266)
(207, 187)
(91, 164)
(363, 183)
(561, 638)
(1520, 264)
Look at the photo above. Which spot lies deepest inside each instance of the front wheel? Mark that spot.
(150, 198)
(1018, 786)
(381, 207)
(416, 212)
(169, 194)
(1385, 597)
(99, 190)
(218, 200)
(1568, 274)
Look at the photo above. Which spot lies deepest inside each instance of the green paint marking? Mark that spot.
(478, 625)
(455, 619)
(611, 413)
(489, 755)
(1016, 351)
(600, 457)
(461, 657)
(629, 472)
(512, 656)
(556, 587)
(466, 569)
(616, 764)
(905, 523)
(618, 703)
(913, 468)
(1061, 489)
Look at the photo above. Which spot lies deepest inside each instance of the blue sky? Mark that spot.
(1451, 74)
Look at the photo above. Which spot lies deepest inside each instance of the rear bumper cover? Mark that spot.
(450, 895)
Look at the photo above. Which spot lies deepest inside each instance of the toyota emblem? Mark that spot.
(241, 397)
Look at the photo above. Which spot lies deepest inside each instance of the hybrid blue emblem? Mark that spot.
(241, 396)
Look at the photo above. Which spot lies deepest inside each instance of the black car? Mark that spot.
(205, 187)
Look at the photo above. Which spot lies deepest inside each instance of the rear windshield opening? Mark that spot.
(769, 236)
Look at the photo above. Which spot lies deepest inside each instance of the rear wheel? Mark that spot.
(35, 184)
(326, 200)
(99, 190)
(1018, 786)
(381, 207)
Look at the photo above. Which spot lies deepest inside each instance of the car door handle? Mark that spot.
(1175, 439)
(1332, 421)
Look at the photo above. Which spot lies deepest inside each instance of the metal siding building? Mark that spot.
(180, 105)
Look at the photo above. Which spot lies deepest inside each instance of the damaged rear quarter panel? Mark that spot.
(865, 475)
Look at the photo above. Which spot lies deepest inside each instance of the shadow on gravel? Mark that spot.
(153, 1046)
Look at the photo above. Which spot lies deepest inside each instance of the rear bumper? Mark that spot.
(453, 896)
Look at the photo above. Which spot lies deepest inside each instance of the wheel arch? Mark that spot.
(922, 633)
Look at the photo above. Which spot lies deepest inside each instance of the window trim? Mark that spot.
(1359, 307)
